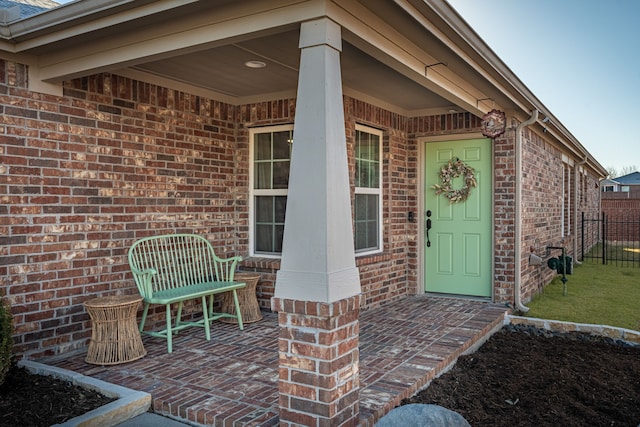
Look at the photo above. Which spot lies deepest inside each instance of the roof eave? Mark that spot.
(49, 23)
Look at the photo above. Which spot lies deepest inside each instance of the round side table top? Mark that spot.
(111, 301)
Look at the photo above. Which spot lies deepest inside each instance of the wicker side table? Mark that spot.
(114, 331)
(249, 307)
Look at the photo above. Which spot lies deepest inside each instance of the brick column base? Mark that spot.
(319, 362)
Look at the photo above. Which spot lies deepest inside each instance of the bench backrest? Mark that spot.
(176, 260)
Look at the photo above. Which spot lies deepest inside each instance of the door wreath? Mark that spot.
(454, 169)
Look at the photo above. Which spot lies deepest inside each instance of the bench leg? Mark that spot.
(238, 312)
(144, 316)
(169, 333)
(205, 314)
(210, 305)
(179, 315)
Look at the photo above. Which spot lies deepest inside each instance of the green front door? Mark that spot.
(458, 245)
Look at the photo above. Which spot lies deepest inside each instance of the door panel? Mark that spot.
(458, 255)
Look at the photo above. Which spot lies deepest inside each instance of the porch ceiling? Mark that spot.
(402, 55)
(222, 69)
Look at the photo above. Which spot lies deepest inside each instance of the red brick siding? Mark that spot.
(504, 216)
(383, 277)
(85, 174)
(623, 217)
(318, 377)
(543, 197)
(541, 209)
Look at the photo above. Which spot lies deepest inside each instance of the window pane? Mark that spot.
(264, 209)
(360, 236)
(272, 160)
(375, 145)
(262, 178)
(372, 234)
(367, 160)
(361, 208)
(281, 175)
(368, 174)
(375, 176)
(269, 223)
(372, 207)
(280, 208)
(366, 222)
(361, 174)
(279, 233)
(281, 145)
(264, 238)
(262, 147)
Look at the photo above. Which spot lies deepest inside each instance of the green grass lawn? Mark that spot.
(596, 293)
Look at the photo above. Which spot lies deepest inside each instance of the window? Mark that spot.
(271, 158)
(270, 155)
(567, 205)
(368, 189)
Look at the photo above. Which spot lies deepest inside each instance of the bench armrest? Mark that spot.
(143, 280)
(226, 267)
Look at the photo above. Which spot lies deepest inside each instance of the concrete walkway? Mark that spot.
(151, 420)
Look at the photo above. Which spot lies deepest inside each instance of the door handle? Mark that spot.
(428, 227)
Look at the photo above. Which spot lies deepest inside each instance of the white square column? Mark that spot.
(318, 257)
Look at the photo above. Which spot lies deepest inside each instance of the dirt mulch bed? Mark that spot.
(523, 376)
(37, 400)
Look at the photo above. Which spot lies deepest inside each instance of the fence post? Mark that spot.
(604, 239)
(582, 240)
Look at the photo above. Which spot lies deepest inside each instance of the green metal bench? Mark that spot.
(174, 268)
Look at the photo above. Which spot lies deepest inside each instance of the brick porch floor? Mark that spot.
(233, 379)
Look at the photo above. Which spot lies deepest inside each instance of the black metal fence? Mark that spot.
(611, 240)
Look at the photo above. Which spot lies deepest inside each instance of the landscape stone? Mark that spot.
(421, 415)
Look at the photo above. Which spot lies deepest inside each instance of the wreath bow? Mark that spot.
(453, 169)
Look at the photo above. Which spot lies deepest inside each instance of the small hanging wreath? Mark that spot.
(453, 169)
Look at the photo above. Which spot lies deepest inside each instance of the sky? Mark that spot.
(580, 58)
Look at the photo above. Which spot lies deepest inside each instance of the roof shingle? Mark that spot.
(29, 7)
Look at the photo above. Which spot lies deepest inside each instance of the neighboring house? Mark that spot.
(626, 183)
(126, 119)
(610, 185)
(621, 207)
(15, 10)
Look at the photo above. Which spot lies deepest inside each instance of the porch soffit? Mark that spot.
(205, 44)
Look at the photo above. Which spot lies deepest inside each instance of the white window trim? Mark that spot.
(378, 191)
(261, 192)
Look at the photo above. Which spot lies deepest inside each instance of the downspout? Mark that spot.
(518, 212)
(576, 199)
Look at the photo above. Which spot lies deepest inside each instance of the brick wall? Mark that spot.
(84, 175)
(623, 219)
(542, 209)
(633, 193)
(319, 376)
(543, 197)
(114, 160)
(504, 216)
(384, 277)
